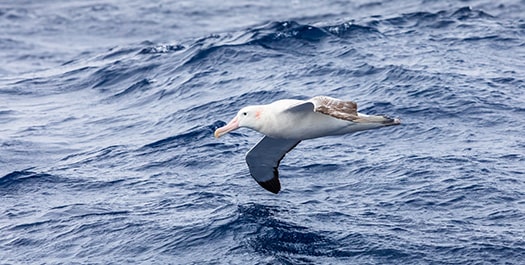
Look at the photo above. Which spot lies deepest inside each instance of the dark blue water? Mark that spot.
(107, 113)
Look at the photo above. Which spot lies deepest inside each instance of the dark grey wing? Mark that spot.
(264, 158)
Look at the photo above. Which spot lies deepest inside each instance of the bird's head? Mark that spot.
(248, 117)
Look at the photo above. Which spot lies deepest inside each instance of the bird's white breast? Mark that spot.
(278, 123)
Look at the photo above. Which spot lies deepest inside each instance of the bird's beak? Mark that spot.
(232, 125)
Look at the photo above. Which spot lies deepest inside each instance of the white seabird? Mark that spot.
(287, 122)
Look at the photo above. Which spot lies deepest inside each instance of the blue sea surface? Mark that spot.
(108, 108)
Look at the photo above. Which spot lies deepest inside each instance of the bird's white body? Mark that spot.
(277, 121)
(287, 122)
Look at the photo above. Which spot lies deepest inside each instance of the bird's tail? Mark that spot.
(382, 119)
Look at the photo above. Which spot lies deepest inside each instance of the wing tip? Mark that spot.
(273, 185)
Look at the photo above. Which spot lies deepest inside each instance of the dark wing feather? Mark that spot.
(264, 158)
(340, 109)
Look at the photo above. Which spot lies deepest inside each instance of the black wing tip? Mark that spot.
(273, 185)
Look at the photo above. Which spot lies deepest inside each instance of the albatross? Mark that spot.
(285, 123)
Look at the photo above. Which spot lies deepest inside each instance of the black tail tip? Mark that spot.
(391, 121)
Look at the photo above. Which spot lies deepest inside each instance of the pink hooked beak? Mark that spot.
(232, 125)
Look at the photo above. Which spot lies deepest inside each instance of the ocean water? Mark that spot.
(107, 113)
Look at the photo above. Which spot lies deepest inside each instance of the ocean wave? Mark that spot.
(26, 181)
(106, 136)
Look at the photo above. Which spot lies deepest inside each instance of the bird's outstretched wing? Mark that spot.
(264, 158)
(339, 109)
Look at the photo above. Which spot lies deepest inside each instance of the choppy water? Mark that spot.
(107, 113)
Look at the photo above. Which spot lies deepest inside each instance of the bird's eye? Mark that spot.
(244, 113)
